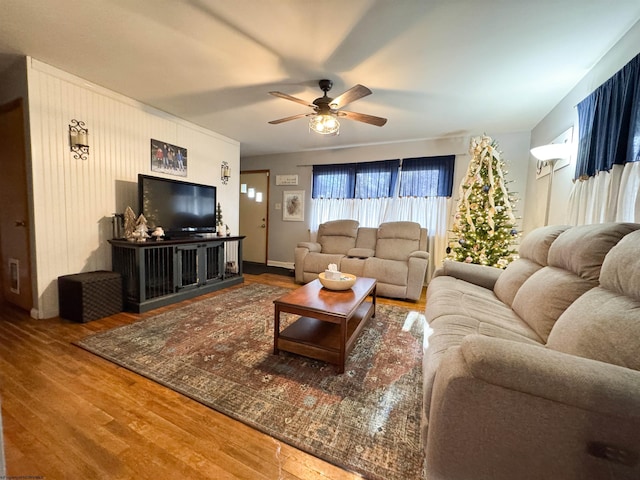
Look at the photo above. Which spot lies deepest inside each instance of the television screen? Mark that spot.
(177, 207)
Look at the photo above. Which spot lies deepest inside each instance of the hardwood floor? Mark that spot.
(68, 414)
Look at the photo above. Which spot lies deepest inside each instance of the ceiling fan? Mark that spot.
(324, 118)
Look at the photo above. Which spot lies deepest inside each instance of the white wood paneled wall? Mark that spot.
(74, 200)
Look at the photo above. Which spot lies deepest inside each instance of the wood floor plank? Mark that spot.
(70, 414)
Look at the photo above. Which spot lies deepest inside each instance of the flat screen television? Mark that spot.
(180, 208)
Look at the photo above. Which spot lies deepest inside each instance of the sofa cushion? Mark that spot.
(620, 271)
(386, 271)
(546, 295)
(353, 265)
(448, 299)
(396, 240)
(338, 236)
(533, 253)
(513, 277)
(366, 238)
(604, 324)
(582, 249)
(574, 262)
(601, 325)
(535, 245)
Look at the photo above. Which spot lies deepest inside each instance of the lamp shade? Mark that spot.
(551, 151)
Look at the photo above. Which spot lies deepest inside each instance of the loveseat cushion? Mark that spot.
(387, 271)
(396, 240)
(604, 324)
(533, 253)
(338, 236)
(366, 238)
(574, 262)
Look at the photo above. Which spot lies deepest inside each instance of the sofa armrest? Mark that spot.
(311, 246)
(419, 254)
(505, 410)
(580, 382)
(299, 255)
(481, 275)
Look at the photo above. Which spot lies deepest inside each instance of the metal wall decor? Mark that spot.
(225, 172)
(79, 139)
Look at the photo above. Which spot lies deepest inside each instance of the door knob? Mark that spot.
(21, 223)
(263, 226)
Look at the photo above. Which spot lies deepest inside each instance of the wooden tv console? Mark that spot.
(159, 273)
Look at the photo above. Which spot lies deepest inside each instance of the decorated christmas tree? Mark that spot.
(484, 228)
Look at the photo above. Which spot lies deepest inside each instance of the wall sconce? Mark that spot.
(79, 140)
(225, 173)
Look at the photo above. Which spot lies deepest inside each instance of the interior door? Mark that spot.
(15, 251)
(254, 215)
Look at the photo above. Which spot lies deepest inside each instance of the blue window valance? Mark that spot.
(609, 123)
(427, 176)
(419, 177)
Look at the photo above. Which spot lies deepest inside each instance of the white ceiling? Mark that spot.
(436, 67)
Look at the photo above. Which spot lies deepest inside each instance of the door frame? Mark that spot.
(26, 301)
(266, 200)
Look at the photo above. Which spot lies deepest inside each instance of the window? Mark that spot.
(427, 176)
(356, 180)
(420, 177)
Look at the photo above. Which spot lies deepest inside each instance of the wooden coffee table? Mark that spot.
(330, 320)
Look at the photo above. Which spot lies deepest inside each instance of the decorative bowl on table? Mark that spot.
(345, 282)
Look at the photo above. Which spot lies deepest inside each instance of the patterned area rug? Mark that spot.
(219, 351)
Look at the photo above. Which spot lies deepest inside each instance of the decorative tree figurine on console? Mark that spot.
(129, 224)
(142, 230)
(219, 222)
(484, 228)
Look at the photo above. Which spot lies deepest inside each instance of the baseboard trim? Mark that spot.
(274, 263)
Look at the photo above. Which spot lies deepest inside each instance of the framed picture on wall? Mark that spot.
(293, 206)
(167, 158)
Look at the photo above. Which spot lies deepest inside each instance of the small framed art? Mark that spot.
(293, 206)
(167, 158)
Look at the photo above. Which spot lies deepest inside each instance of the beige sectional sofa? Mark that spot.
(533, 372)
(395, 254)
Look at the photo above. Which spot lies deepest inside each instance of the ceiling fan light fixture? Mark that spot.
(325, 124)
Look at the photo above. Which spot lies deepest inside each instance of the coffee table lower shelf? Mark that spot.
(322, 340)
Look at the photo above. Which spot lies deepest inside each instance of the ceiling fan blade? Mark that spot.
(361, 117)
(351, 95)
(287, 119)
(293, 99)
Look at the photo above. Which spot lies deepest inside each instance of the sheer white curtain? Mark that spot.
(607, 197)
(430, 212)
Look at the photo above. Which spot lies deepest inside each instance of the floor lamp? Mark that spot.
(547, 156)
